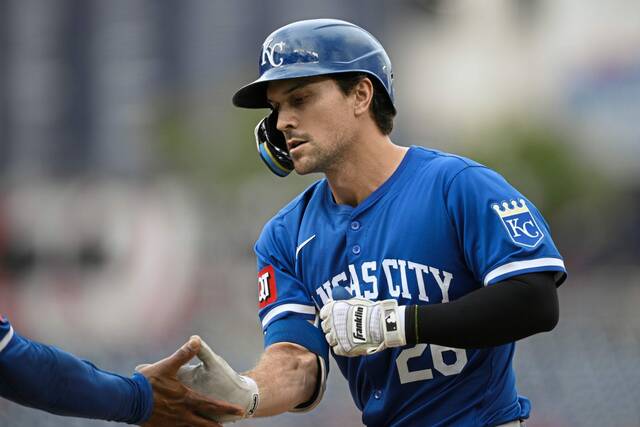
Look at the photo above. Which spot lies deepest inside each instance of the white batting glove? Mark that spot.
(214, 377)
(356, 326)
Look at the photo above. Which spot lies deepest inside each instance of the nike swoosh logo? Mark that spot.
(303, 244)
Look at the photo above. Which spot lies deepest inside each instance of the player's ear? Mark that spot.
(363, 93)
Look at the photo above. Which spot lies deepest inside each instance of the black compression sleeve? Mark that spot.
(507, 311)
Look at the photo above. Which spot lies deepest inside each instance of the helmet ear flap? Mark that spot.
(272, 146)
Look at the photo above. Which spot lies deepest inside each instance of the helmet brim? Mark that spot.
(254, 95)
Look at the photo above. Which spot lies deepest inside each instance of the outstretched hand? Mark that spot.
(174, 404)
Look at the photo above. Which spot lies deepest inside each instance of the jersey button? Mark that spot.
(355, 249)
(377, 394)
(355, 225)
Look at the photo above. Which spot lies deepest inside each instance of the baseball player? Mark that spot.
(418, 269)
(44, 377)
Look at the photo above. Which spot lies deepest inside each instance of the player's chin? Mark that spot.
(303, 168)
(303, 163)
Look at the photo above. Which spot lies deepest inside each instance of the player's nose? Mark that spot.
(286, 120)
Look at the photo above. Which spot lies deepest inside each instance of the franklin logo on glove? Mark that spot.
(358, 324)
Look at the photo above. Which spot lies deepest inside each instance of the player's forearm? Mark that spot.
(491, 316)
(50, 379)
(286, 376)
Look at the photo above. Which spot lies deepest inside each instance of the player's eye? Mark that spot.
(298, 101)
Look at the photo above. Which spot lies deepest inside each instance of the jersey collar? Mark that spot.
(377, 194)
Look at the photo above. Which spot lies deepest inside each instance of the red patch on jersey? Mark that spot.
(266, 286)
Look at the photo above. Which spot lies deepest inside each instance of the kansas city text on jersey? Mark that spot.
(365, 281)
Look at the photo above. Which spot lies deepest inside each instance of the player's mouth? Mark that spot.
(292, 144)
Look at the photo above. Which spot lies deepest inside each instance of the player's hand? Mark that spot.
(356, 326)
(177, 405)
(215, 378)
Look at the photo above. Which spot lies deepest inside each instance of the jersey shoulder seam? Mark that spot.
(467, 167)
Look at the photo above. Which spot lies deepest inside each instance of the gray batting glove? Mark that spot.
(215, 378)
(356, 326)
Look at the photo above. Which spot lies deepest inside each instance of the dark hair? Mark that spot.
(381, 107)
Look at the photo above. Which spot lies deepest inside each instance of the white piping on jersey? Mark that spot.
(522, 265)
(301, 245)
(6, 339)
(295, 308)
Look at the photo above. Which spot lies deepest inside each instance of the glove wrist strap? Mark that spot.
(392, 319)
(252, 387)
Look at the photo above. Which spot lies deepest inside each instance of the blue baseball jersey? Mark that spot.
(440, 227)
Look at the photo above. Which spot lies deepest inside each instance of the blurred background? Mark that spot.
(131, 193)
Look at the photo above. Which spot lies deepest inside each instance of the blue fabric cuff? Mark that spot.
(145, 404)
(559, 277)
(300, 332)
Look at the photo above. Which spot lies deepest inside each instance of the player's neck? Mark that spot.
(365, 169)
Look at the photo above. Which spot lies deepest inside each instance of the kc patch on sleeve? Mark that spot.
(519, 222)
(267, 292)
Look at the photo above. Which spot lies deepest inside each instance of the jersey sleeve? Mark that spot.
(44, 377)
(501, 233)
(6, 333)
(287, 311)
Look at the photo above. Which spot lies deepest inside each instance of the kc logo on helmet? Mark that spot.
(519, 222)
(268, 53)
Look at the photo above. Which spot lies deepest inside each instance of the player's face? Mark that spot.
(317, 121)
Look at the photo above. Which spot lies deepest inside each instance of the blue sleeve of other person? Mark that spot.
(44, 377)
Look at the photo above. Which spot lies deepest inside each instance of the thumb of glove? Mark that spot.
(210, 359)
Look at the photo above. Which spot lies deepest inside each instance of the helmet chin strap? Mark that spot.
(272, 146)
